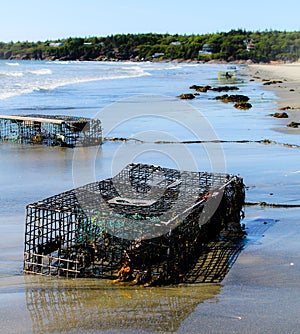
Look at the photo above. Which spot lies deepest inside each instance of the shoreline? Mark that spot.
(287, 89)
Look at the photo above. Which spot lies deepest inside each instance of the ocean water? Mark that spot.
(137, 101)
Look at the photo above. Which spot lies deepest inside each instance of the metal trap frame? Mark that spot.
(159, 219)
(52, 130)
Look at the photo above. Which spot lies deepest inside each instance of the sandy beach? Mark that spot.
(287, 88)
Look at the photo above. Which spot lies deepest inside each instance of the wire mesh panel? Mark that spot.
(51, 130)
(156, 219)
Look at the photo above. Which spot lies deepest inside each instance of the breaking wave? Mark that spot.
(45, 76)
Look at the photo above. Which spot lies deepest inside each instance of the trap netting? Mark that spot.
(54, 130)
(155, 219)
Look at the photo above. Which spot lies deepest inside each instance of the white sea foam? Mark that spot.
(172, 67)
(12, 74)
(31, 78)
(41, 71)
(12, 64)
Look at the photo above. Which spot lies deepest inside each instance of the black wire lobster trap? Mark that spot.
(52, 130)
(147, 224)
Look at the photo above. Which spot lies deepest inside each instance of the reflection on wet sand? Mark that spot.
(215, 261)
(57, 305)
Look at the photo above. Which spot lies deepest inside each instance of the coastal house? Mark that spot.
(206, 49)
(158, 55)
(56, 44)
(175, 43)
(250, 45)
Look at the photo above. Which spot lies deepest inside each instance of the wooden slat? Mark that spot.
(33, 119)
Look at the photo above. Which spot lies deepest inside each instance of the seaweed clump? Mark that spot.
(232, 98)
(187, 96)
(201, 89)
(204, 89)
(272, 82)
(243, 105)
(280, 115)
(293, 125)
(224, 88)
(286, 108)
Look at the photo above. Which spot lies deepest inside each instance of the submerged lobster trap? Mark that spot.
(156, 219)
(53, 130)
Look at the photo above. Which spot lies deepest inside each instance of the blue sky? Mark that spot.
(38, 20)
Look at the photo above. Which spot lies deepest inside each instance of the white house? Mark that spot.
(56, 44)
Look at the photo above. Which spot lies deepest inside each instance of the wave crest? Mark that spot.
(41, 71)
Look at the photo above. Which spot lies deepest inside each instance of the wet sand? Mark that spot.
(288, 91)
(260, 294)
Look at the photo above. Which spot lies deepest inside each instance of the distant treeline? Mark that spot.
(234, 45)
